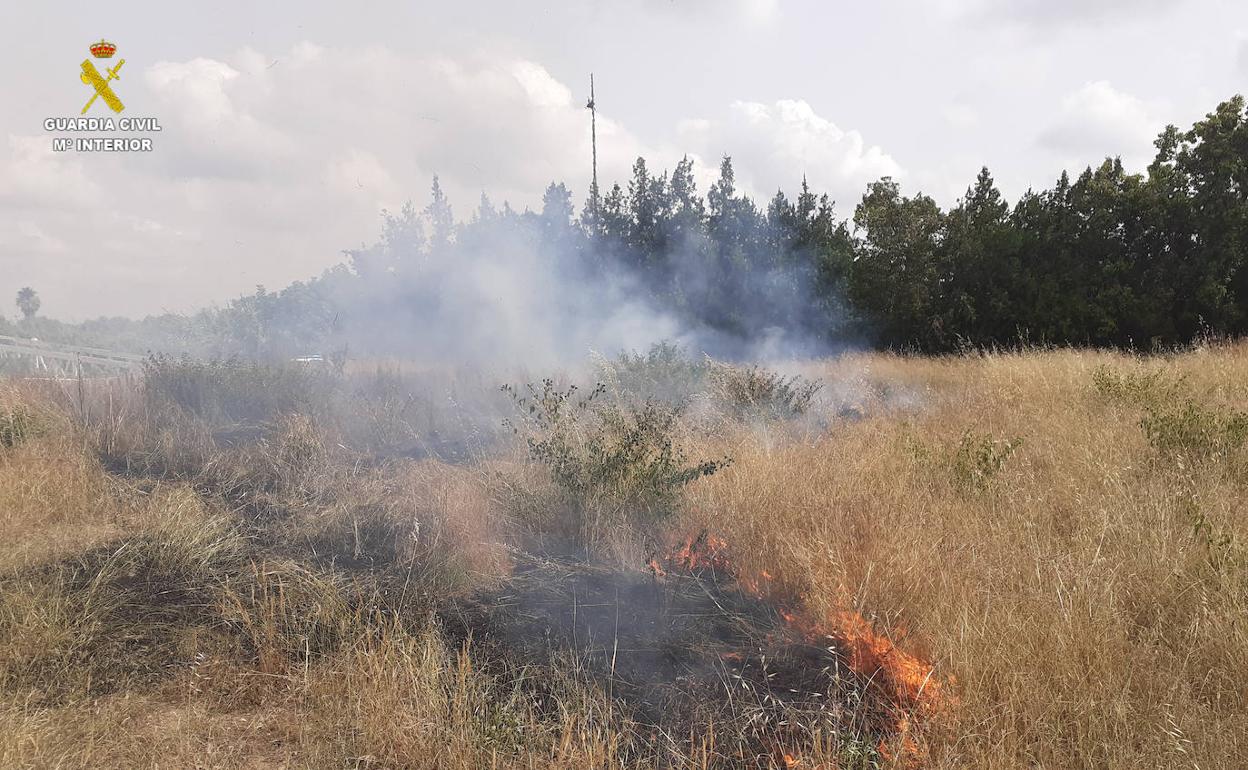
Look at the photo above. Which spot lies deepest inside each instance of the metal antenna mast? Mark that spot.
(593, 133)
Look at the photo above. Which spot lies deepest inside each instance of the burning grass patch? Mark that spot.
(688, 647)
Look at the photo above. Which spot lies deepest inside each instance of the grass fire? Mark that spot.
(644, 385)
(1000, 560)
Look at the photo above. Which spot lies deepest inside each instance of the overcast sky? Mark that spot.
(289, 127)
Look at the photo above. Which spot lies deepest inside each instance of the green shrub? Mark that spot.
(1175, 422)
(1188, 428)
(1137, 388)
(978, 459)
(752, 391)
(664, 373)
(607, 458)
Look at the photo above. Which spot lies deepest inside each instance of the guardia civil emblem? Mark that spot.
(92, 77)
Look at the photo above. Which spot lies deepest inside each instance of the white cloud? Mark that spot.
(26, 236)
(760, 10)
(1099, 121)
(270, 164)
(198, 87)
(774, 145)
(36, 176)
(747, 10)
(1049, 13)
(960, 115)
(1079, 10)
(542, 89)
(356, 169)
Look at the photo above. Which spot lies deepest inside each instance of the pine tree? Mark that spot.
(441, 219)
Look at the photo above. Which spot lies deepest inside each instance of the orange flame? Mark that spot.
(873, 654)
(906, 680)
(703, 553)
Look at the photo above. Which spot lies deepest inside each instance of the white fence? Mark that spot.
(60, 360)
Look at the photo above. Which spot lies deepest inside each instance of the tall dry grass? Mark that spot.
(1089, 595)
(182, 589)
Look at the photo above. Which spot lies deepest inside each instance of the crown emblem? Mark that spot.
(103, 49)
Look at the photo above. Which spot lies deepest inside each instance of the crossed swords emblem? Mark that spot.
(92, 77)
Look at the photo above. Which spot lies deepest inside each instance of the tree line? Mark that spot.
(1106, 258)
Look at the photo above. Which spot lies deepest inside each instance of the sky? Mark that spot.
(288, 128)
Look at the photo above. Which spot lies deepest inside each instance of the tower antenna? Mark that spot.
(593, 133)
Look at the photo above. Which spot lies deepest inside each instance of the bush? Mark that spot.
(1137, 388)
(978, 459)
(757, 392)
(1188, 428)
(619, 461)
(1175, 422)
(664, 373)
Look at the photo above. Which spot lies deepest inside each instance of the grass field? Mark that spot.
(232, 566)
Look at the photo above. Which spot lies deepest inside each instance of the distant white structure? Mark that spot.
(65, 360)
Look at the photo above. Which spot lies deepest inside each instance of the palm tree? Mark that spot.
(28, 302)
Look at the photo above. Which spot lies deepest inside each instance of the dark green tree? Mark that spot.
(896, 281)
(1212, 162)
(980, 266)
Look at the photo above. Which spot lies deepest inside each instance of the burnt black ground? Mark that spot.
(678, 652)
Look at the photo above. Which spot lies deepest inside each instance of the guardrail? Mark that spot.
(75, 355)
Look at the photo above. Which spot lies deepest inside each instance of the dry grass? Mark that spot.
(1077, 598)
(170, 599)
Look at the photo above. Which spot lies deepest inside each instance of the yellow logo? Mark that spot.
(92, 77)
